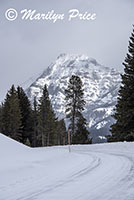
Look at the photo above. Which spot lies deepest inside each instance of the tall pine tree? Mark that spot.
(74, 106)
(123, 129)
(26, 113)
(46, 120)
(35, 122)
(0, 118)
(61, 132)
(11, 116)
(81, 134)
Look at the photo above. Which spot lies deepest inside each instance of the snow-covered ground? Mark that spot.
(89, 172)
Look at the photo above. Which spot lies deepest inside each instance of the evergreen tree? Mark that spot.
(0, 118)
(81, 134)
(51, 128)
(46, 121)
(61, 132)
(26, 112)
(35, 120)
(123, 129)
(74, 106)
(11, 116)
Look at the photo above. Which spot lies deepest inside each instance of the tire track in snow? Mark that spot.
(122, 182)
(95, 163)
(107, 175)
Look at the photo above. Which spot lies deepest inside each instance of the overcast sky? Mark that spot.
(28, 47)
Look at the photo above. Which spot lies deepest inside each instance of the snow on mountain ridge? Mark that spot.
(101, 86)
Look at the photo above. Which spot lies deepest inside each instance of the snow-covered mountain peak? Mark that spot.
(70, 60)
(101, 86)
(67, 64)
(65, 56)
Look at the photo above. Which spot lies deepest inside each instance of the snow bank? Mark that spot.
(24, 169)
(13, 146)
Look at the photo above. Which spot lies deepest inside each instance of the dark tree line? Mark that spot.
(37, 125)
(34, 125)
(123, 128)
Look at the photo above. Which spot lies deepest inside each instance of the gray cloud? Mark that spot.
(27, 48)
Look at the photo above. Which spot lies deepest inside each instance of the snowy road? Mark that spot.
(92, 172)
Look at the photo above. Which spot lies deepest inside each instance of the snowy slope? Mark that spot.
(89, 172)
(101, 86)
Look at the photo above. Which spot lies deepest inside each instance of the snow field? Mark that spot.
(89, 172)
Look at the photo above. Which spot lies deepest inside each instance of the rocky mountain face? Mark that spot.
(101, 85)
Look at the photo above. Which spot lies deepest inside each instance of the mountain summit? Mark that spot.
(101, 86)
